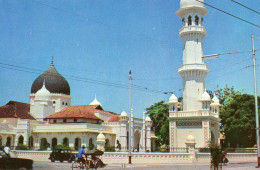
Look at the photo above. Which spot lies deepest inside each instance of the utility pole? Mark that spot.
(256, 104)
(129, 124)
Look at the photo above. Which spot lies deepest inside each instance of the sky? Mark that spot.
(96, 42)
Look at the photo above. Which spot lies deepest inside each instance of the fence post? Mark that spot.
(190, 143)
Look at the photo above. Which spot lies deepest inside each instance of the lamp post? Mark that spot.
(255, 91)
(130, 123)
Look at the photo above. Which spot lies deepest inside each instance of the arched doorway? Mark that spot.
(137, 138)
(212, 138)
(91, 145)
(65, 142)
(20, 140)
(54, 142)
(43, 144)
(8, 141)
(1, 141)
(30, 142)
(77, 143)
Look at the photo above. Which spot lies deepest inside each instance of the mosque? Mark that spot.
(50, 120)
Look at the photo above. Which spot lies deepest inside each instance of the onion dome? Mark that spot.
(205, 96)
(190, 139)
(172, 100)
(101, 137)
(148, 119)
(43, 93)
(191, 3)
(123, 114)
(95, 102)
(54, 82)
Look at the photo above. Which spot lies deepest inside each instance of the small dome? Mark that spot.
(101, 137)
(95, 102)
(123, 114)
(215, 99)
(190, 138)
(205, 96)
(148, 119)
(43, 93)
(173, 99)
(191, 3)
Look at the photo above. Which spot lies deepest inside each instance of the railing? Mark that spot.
(193, 67)
(192, 28)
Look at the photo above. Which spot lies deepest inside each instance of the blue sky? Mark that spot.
(101, 40)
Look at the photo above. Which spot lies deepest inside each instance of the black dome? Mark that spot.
(54, 82)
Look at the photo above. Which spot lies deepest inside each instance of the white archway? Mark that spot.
(137, 138)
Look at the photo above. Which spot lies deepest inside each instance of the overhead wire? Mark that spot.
(229, 14)
(246, 7)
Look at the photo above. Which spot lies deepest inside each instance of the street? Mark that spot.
(67, 166)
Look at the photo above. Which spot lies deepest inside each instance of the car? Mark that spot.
(6, 162)
(62, 155)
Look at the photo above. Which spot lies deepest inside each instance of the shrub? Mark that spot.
(110, 148)
(164, 148)
(21, 147)
(204, 149)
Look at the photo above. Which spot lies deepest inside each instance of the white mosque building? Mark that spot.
(200, 114)
(49, 120)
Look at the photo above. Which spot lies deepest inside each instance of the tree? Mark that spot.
(159, 114)
(238, 119)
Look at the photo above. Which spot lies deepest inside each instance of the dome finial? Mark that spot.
(52, 60)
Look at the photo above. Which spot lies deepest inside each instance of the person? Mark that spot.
(80, 154)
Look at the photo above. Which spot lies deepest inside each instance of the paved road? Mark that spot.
(67, 166)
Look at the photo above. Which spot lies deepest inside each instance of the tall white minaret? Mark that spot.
(193, 71)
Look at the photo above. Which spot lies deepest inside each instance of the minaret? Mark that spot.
(193, 71)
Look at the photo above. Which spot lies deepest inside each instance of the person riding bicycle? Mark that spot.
(80, 154)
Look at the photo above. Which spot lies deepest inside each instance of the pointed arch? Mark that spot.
(137, 137)
(20, 140)
(189, 20)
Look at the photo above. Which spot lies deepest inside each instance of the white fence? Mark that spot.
(152, 158)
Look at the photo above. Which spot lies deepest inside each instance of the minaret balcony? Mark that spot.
(189, 67)
(200, 113)
(192, 30)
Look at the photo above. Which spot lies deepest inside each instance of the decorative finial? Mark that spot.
(52, 60)
(43, 83)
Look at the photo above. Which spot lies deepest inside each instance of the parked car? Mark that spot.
(6, 162)
(61, 155)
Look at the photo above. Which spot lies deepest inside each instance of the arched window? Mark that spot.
(20, 140)
(196, 20)
(201, 21)
(77, 144)
(189, 20)
(30, 142)
(8, 141)
(65, 142)
(183, 21)
(1, 141)
(43, 144)
(91, 145)
(54, 142)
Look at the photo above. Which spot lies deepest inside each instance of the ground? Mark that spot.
(67, 166)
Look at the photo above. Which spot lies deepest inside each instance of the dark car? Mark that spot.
(61, 155)
(6, 162)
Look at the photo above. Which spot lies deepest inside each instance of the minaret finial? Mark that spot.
(52, 60)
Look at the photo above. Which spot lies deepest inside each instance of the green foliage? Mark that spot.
(159, 114)
(110, 148)
(60, 146)
(21, 147)
(204, 150)
(91, 146)
(216, 155)
(238, 120)
(164, 148)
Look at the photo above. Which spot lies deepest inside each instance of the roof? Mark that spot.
(84, 111)
(54, 82)
(15, 109)
(114, 118)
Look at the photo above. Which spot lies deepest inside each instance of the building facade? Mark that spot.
(49, 120)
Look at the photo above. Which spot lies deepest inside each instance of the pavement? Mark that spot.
(66, 166)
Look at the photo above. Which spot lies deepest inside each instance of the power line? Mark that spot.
(81, 79)
(245, 6)
(229, 14)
